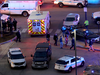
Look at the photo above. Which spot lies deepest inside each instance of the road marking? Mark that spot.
(24, 30)
(58, 31)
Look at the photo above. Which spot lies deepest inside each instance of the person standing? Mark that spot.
(55, 39)
(8, 22)
(91, 45)
(73, 44)
(63, 30)
(85, 38)
(86, 23)
(18, 36)
(11, 24)
(48, 37)
(15, 24)
(61, 42)
(4, 25)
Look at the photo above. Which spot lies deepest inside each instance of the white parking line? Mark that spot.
(24, 30)
(58, 31)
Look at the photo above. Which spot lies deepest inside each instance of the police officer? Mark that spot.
(86, 23)
(4, 25)
(15, 24)
(18, 36)
(63, 30)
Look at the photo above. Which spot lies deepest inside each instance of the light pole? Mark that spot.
(85, 9)
(75, 51)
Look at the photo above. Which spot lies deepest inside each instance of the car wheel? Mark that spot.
(70, 69)
(25, 14)
(79, 5)
(60, 5)
(98, 22)
(82, 64)
(32, 67)
(47, 66)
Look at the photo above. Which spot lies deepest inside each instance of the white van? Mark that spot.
(78, 3)
(19, 7)
(38, 23)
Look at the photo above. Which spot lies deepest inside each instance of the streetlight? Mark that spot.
(85, 9)
(75, 51)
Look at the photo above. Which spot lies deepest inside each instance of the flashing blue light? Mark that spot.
(94, 1)
(92, 71)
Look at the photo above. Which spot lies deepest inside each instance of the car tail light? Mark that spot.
(65, 66)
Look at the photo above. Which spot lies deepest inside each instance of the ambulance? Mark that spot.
(38, 23)
(19, 7)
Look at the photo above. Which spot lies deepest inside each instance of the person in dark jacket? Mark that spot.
(48, 37)
(4, 25)
(55, 39)
(85, 38)
(11, 25)
(8, 22)
(73, 43)
(61, 42)
(91, 45)
(15, 24)
(18, 36)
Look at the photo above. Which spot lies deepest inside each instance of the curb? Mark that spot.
(8, 41)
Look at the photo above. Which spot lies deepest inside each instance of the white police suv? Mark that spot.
(72, 19)
(16, 58)
(66, 63)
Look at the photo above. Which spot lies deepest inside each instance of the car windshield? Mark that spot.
(70, 19)
(17, 56)
(61, 62)
(40, 54)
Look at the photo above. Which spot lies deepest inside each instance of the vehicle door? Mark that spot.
(76, 19)
(67, 2)
(36, 26)
(74, 2)
(78, 61)
(73, 62)
(5, 9)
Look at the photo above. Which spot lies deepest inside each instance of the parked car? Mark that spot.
(80, 33)
(67, 63)
(72, 19)
(15, 58)
(78, 3)
(92, 70)
(42, 56)
(96, 17)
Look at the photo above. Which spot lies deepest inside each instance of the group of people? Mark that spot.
(9, 25)
(65, 35)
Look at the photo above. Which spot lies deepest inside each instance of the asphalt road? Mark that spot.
(28, 43)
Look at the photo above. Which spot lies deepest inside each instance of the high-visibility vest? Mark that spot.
(86, 22)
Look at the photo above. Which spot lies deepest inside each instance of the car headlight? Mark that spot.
(45, 62)
(12, 63)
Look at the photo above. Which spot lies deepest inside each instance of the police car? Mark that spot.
(96, 17)
(16, 58)
(66, 63)
(72, 19)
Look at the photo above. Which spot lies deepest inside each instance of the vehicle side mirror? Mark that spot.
(31, 55)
